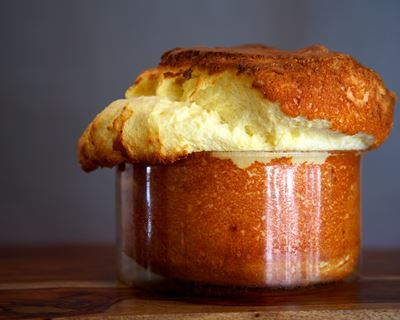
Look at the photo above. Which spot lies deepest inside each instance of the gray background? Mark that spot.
(61, 62)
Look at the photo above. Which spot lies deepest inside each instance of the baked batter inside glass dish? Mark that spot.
(242, 218)
(240, 167)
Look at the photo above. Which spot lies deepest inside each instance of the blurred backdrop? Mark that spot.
(61, 62)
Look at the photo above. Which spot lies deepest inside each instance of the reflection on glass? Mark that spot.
(240, 219)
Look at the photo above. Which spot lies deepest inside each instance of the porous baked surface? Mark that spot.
(281, 223)
(242, 98)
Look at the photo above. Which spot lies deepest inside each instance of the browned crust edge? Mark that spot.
(312, 82)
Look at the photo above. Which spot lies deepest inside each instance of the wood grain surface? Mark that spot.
(80, 283)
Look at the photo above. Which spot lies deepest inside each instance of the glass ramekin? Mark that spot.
(240, 220)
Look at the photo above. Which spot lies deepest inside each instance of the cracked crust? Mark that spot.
(106, 143)
(313, 83)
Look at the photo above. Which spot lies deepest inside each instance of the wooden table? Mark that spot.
(80, 283)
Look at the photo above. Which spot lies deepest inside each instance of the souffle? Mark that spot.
(240, 166)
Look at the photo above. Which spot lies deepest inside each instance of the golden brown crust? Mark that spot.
(312, 82)
(85, 151)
